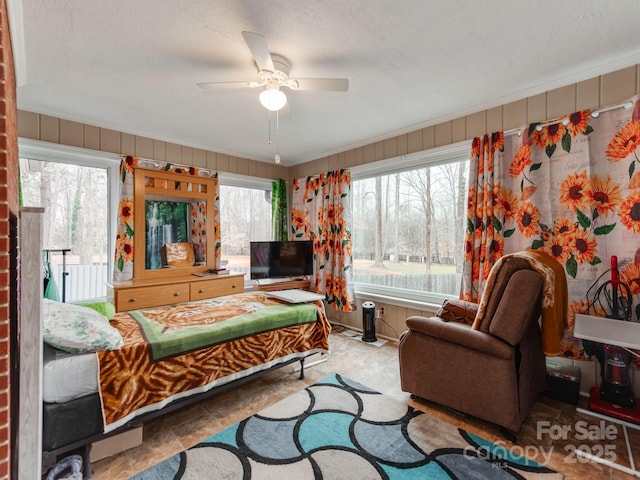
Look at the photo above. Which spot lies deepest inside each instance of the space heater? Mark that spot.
(369, 322)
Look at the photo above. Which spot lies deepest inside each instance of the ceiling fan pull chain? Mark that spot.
(277, 157)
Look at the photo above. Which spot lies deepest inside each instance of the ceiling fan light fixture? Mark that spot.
(273, 99)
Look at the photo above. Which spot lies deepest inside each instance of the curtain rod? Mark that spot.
(565, 120)
(204, 172)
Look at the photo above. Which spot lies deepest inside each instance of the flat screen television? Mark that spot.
(281, 259)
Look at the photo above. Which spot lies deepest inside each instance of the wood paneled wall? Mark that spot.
(46, 128)
(593, 93)
(589, 94)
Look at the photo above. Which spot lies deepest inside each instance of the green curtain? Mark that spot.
(279, 210)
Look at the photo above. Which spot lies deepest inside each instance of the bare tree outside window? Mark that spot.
(379, 238)
(75, 199)
(245, 216)
(409, 228)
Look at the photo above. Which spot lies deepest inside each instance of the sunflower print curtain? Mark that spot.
(123, 262)
(321, 211)
(571, 189)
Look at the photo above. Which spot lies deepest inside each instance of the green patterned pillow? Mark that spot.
(78, 329)
(105, 308)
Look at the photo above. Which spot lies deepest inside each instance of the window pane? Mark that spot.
(245, 216)
(408, 231)
(76, 219)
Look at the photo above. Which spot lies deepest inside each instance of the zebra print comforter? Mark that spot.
(131, 383)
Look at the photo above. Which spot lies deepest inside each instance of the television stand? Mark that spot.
(271, 284)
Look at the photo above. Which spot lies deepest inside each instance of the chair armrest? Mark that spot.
(461, 334)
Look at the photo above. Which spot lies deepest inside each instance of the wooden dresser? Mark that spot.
(152, 292)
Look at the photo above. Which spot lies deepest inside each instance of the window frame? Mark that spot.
(403, 163)
(57, 153)
(245, 181)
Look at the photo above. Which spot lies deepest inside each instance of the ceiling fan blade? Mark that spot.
(320, 84)
(258, 46)
(214, 85)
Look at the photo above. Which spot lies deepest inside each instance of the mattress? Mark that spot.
(65, 423)
(68, 376)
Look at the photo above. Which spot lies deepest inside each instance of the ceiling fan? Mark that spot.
(273, 73)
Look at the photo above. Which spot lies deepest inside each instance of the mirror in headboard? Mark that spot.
(172, 237)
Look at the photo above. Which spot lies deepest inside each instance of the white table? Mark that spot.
(622, 334)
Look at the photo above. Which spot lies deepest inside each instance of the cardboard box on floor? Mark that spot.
(116, 444)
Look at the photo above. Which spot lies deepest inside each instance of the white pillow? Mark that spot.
(78, 329)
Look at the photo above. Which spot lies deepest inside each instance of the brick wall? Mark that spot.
(8, 209)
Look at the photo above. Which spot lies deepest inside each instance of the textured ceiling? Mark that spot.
(133, 65)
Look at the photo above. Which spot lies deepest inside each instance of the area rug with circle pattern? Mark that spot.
(340, 429)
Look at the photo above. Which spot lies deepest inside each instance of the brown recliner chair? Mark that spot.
(493, 372)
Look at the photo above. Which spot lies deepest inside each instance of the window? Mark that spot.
(78, 189)
(245, 216)
(409, 215)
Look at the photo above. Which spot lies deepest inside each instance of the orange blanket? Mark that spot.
(131, 383)
(554, 299)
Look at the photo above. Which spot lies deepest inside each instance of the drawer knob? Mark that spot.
(233, 286)
(177, 294)
(132, 299)
(201, 290)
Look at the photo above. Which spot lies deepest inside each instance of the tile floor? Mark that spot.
(376, 367)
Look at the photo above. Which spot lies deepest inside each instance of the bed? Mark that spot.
(161, 358)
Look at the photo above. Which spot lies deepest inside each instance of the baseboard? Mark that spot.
(359, 330)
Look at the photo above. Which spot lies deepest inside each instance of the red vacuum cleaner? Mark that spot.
(615, 397)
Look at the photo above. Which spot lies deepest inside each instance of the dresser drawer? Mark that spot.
(216, 287)
(142, 297)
